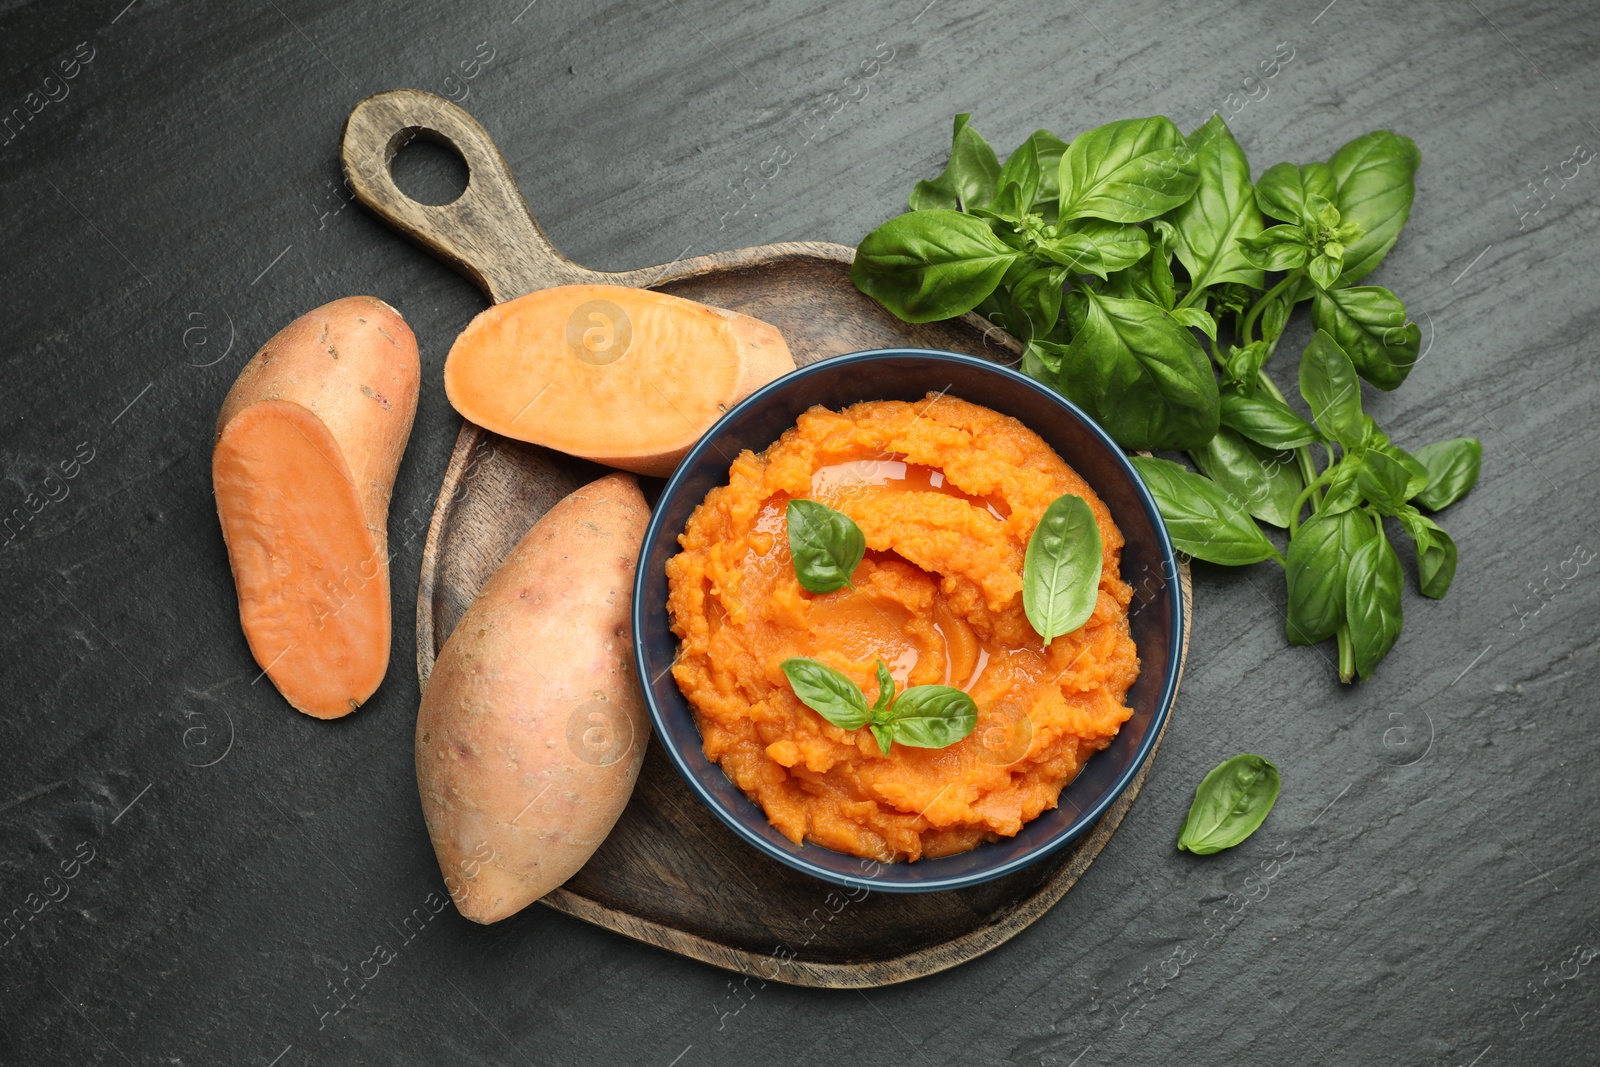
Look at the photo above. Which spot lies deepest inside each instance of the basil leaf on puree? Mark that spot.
(924, 716)
(1061, 570)
(826, 546)
(1229, 804)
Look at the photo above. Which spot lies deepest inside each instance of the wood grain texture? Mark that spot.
(670, 873)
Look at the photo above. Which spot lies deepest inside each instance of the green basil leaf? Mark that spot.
(1242, 366)
(1061, 569)
(1036, 300)
(1372, 434)
(1230, 804)
(1221, 213)
(969, 179)
(1323, 269)
(1041, 360)
(1141, 375)
(1163, 288)
(1196, 317)
(1372, 599)
(1318, 558)
(1201, 519)
(1022, 169)
(1328, 383)
(1369, 322)
(1416, 473)
(1265, 481)
(1127, 171)
(1383, 479)
(1344, 489)
(885, 688)
(826, 545)
(1374, 174)
(1098, 247)
(1047, 149)
(1267, 252)
(1453, 467)
(1267, 421)
(931, 716)
(1436, 553)
(933, 264)
(827, 692)
(1274, 317)
(1285, 189)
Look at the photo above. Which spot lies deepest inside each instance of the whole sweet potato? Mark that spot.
(532, 726)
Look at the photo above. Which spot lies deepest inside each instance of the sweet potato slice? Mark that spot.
(308, 444)
(532, 728)
(626, 377)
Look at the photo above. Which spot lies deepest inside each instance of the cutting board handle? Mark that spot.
(487, 233)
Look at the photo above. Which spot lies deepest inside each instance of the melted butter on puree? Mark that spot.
(946, 494)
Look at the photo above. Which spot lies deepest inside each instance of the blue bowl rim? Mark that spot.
(1089, 816)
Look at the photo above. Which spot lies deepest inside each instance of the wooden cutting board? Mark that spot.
(670, 873)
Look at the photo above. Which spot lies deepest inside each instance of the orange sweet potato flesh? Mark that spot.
(532, 726)
(627, 377)
(308, 444)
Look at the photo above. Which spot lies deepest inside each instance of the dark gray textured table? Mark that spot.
(1426, 890)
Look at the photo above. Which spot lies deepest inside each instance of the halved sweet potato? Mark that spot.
(626, 377)
(308, 444)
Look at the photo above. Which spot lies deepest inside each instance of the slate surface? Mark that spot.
(1425, 892)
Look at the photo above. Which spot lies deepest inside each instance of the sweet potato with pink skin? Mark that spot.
(532, 726)
(308, 444)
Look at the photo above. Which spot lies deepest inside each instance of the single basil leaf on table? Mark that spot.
(1230, 804)
(1127, 171)
(1369, 322)
(1436, 553)
(1222, 212)
(826, 545)
(969, 178)
(1372, 601)
(928, 265)
(827, 692)
(1328, 383)
(1453, 467)
(930, 716)
(1061, 568)
(1264, 481)
(1141, 374)
(1375, 181)
(1201, 519)
(1266, 420)
(1285, 190)
(1318, 558)
(1098, 247)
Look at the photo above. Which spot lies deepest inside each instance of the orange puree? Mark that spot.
(947, 494)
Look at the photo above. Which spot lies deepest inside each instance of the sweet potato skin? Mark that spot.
(532, 727)
(353, 363)
(344, 380)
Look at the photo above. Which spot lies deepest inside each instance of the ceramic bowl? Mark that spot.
(1148, 563)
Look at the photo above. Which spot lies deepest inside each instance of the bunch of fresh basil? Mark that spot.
(1071, 248)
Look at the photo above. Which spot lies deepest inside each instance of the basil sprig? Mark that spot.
(924, 716)
(1061, 569)
(1151, 281)
(826, 545)
(1230, 804)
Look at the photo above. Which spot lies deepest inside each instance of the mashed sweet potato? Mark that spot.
(947, 494)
